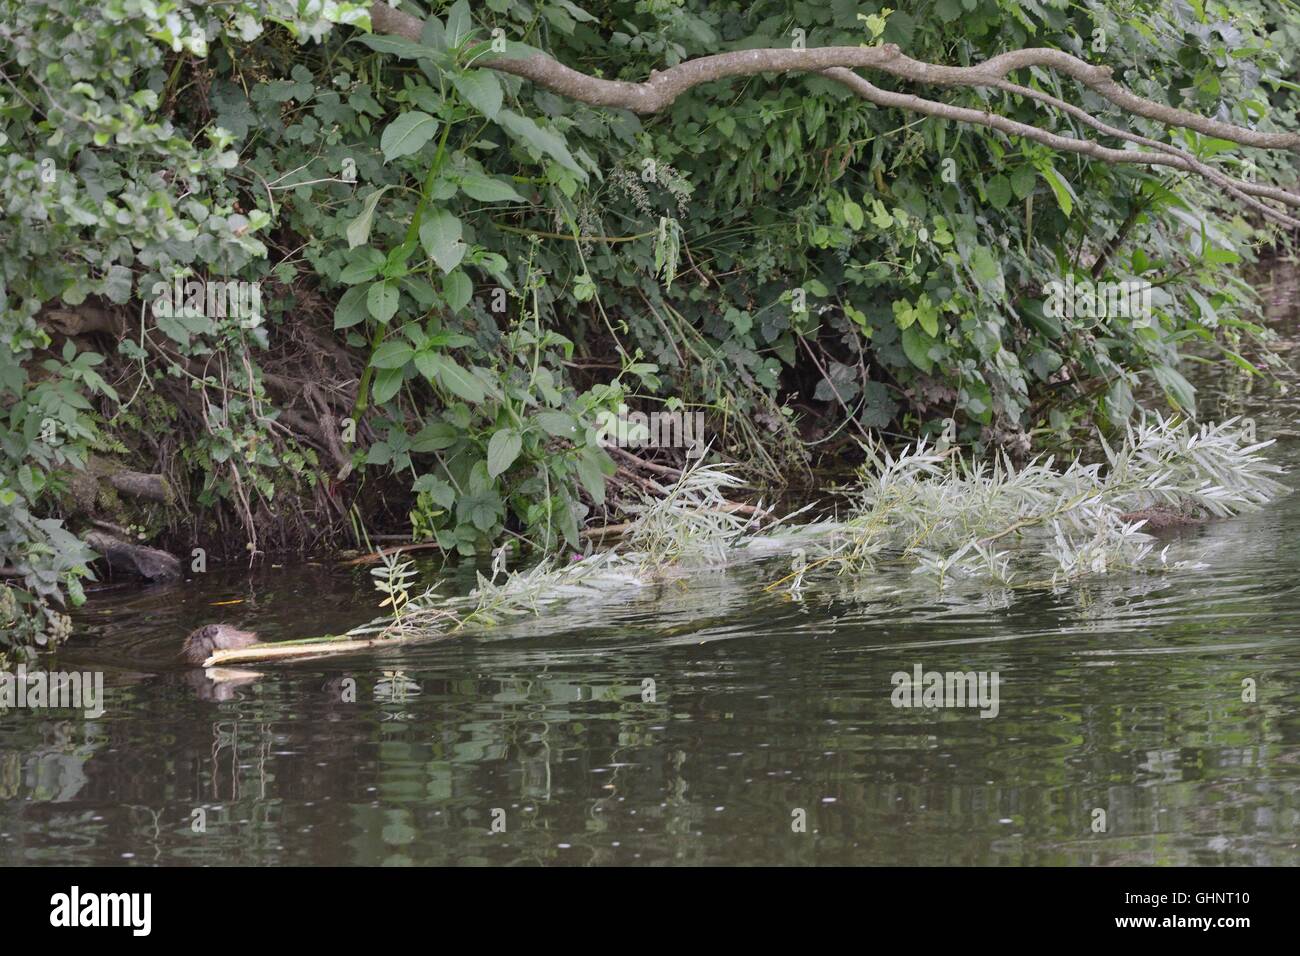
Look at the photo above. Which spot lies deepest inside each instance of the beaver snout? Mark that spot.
(198, 647)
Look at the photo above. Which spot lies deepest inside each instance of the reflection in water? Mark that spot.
(690, 725)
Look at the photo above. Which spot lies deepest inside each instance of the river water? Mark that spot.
(768, 735)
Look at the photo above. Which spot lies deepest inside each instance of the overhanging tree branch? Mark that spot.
(838, 63)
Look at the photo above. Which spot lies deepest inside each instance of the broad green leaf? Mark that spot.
(557, 424)
(406, 134)
(381, 300)
(435, 437)
(1022, 181)
(387, 382)
(392, 354)
(459, 23)
(427, 363)
(590, 474)
(440, 235)
(457, 380)
(399, 47)
(853, 215)
(916, 345)
(351, 308)
(543, 140)
(457, 289)
(486, 189)
(503, 449)
(1177, 389)
(481, 89)
(999, 192)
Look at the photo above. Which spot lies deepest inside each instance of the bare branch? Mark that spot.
(664, 87)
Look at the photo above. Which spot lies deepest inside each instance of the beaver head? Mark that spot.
(198, 647)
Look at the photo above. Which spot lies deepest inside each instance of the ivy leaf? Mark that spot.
(358, 231)
(503, 449)
(406, 134)
(987, 271)
(481, 90)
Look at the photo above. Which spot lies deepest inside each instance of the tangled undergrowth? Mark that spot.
(989, 523)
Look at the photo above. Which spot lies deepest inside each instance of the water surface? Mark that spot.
(1123, 694)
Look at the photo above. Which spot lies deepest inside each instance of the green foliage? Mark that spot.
(504, 264)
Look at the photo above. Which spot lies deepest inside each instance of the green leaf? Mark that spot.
(999, 192)
(440, 235)
(456, 380)
(1060, 189)
(1022, 181)
(543, 140)
(853, 215)
(435, 437)
(392, 354)
(481, 89)
(485, 189)
(351, 308)
(406, 134)
(427, 363)
(987, 270)
(916, 345)
(503, 449)
(358, 231)
(1177, 389)
(591, 476)
(457, 289)
(386, 384)
(399, 47)
(557, 424)
(381, 300)
(459, 23)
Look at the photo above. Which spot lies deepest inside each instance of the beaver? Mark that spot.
(1161, 518)
(198, 647)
